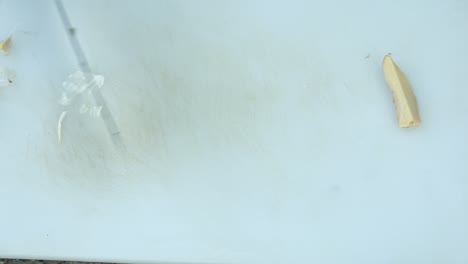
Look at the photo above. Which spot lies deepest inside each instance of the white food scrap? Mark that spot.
(59, 126)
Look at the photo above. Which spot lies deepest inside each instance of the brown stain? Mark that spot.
(177, 101)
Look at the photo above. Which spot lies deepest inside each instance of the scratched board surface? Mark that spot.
(253, 132)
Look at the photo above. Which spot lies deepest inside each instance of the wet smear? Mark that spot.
(86, 158)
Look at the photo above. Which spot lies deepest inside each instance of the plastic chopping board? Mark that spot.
(252, 132)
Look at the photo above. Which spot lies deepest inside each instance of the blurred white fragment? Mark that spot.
(59, 125)
(84, 109)
(7, 77)
(78, 83)
(77, 97)
(95, 111)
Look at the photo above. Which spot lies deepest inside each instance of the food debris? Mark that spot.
(403, 96)
(94, 111)
(59, 126)
(77, 85)
(5, 45)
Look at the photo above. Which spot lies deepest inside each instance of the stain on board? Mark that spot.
(194, 95)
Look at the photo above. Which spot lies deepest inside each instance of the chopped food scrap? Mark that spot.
(59, 126)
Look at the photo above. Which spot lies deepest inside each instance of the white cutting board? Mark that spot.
(255, 132)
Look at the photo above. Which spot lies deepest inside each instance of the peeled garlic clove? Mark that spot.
(5, 45)
(403, 96)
